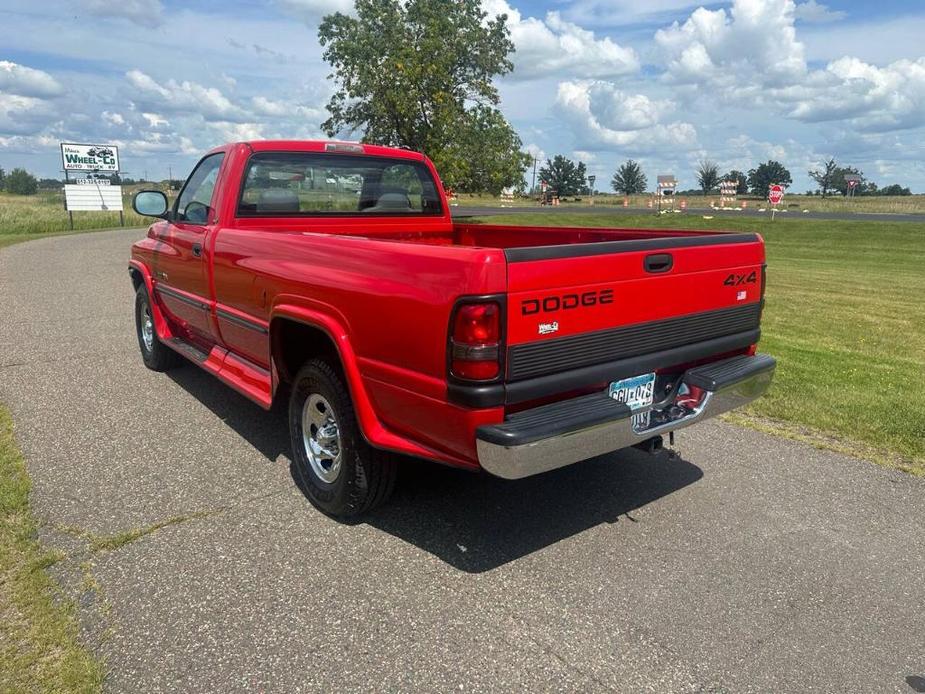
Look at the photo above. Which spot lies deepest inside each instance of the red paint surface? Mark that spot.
(383, 290)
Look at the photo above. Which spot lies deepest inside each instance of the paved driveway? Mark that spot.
(748, 563)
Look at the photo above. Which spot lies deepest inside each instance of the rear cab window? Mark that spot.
(312, 184)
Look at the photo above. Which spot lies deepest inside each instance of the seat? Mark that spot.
(277, 200)
(390, 200)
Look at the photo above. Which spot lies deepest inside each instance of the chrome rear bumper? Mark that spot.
(592, 425)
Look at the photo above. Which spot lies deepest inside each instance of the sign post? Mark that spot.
(591, 179)
(853, 181)
(775, 195)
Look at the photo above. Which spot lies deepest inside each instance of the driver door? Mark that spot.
(181, 269)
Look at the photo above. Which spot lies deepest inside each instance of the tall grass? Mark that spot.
(44, 212)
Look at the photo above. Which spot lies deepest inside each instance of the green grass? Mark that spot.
(39, 647)
(845, 317)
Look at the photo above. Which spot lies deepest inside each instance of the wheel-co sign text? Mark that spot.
(77, 157)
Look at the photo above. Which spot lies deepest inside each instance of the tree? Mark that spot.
(629, 179)
(707, 175)
(420, 74)
(894, 189)
(2, 177)
(485, 155)
(762, 178)
(741, 181)
(21, 182)
(824, 177)
(564, 176)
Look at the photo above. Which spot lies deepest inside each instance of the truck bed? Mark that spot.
(510, 237)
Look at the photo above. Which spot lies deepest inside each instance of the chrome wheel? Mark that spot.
(321, 438)
(147, 327)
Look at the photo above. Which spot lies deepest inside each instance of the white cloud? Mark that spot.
(113, 118)
(287, 109)
(594, 112)
(26, 81)
(184, 97)
(872, 98)
(816, 12)
(311, 11)
(146, 13)
(750, 56)
(22, 115)
(155, 120)
(553, 45)
(754, 42)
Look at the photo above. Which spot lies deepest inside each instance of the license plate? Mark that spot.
(637, 392)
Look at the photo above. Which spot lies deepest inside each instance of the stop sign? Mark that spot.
(775, 194)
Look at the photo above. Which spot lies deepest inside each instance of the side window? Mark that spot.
(195, 199)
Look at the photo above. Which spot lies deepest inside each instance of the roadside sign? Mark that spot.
(92, 198)
(83, 157)
(776, 194)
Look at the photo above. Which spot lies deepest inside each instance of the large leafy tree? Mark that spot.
(564, 176)
(825, 176)
(419, 74)
(707, 175)
(761, 179)
(741, 181)
(21, 182)
(629, 179)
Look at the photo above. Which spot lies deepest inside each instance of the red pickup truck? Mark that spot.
(333, 272)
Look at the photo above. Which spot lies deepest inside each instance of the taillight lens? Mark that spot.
(475, 342)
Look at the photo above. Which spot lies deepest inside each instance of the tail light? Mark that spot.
(475, 341)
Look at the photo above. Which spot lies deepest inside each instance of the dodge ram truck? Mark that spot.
(333, 274)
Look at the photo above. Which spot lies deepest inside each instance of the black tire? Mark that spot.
(156, 355)
(366, 475)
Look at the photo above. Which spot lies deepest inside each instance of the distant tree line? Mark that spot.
(21, 182)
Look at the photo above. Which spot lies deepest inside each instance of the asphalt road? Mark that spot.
(475, 211)
(745, 564)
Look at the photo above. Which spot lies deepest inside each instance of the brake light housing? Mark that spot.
(476, 339)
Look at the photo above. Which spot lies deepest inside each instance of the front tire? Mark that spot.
(340, 473)
(156, 355)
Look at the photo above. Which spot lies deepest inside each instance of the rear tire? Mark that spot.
(340, 473)
(156, 355)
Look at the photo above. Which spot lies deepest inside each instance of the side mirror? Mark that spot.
(150, 203)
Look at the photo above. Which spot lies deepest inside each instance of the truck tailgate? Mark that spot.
(601, 310)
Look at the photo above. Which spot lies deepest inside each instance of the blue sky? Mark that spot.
(666, 82)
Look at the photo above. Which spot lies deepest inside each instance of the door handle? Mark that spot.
(658, 262)
(197, 250)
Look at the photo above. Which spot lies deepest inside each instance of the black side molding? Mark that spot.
(577, 250)
(497, 394)
(540, 387)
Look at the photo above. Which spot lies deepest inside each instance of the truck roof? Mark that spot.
(332, 146)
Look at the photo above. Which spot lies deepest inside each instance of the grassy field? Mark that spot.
(845, 317)
(44, 213)
(904, 204)
(39, 647)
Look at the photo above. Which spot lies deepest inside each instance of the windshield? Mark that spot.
(313, 184)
